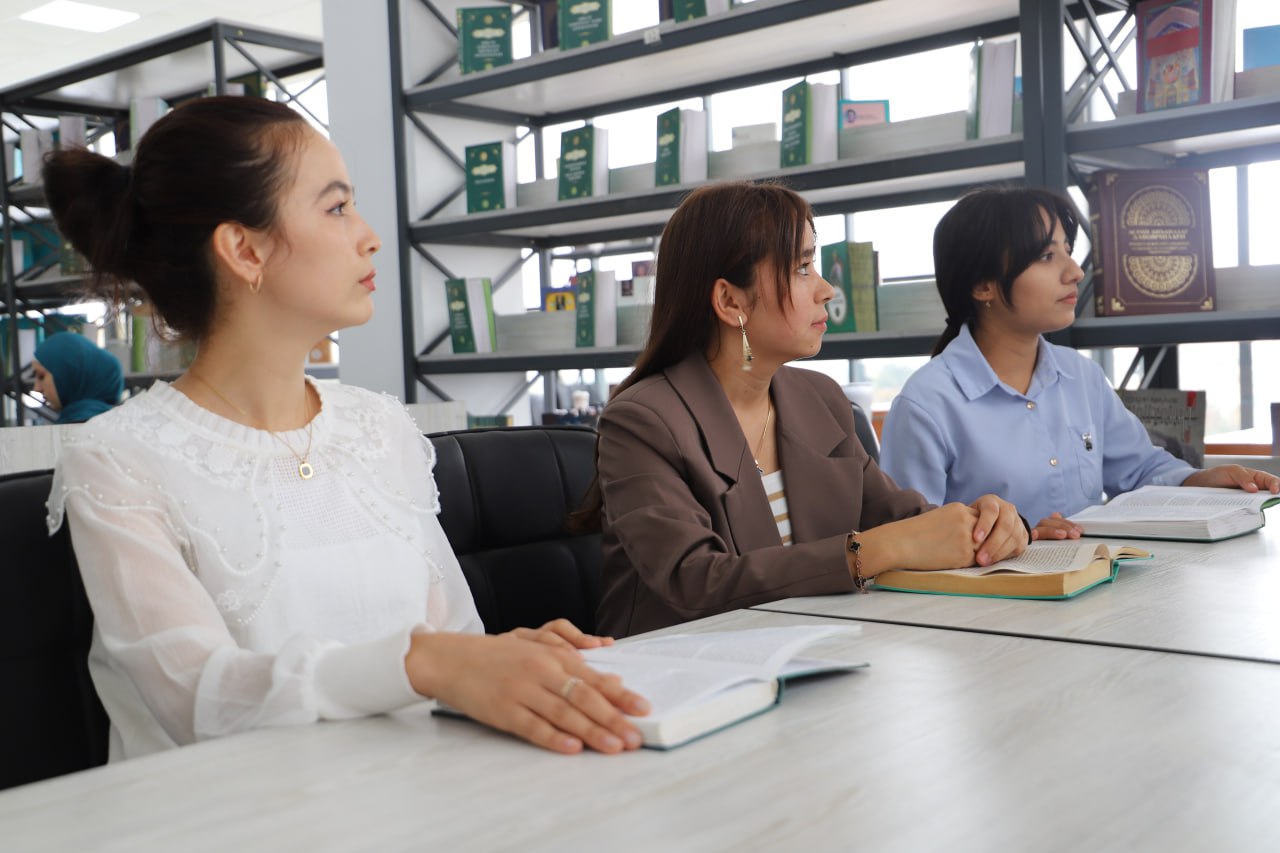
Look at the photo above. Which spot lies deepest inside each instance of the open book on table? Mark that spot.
(1190, 513)
(1045, 570)
(699, 683)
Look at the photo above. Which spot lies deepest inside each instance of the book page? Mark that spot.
(1189, 496)
(672, 689)
(756, 652)
(1042, 558)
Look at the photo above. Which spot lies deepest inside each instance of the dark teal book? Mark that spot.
(491, 177)
(471, 324)
(687, 10)
(484, 38)
(583, 22)
(595, 296)
(850, 268)
(584, 163)
(809, 114)
(682, 148)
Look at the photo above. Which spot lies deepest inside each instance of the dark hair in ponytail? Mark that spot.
(210, 161)
(993, 235)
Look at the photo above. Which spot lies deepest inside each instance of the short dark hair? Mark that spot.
(210, 161)
(993, 234)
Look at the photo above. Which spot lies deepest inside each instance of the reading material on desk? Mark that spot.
(1045, 570)
(1192, 513)
(699, 683)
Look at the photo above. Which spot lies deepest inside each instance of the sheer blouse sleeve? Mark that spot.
(162, 628)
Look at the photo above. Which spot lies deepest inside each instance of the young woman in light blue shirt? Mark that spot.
(1001, 410)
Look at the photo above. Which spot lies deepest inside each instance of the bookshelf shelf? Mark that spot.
(842, 186)
(772, 40)
(794, 37)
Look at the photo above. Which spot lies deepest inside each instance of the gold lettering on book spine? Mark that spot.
(1156, 222)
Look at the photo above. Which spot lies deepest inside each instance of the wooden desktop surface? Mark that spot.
(1214, 599)
(949, 741)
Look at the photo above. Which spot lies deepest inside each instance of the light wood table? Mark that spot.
(949, 741)
(1218, 599)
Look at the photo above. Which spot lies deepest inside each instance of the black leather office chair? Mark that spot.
(865, 432)
(504, 498)
(51, 721)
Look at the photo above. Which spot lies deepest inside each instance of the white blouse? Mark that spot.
(228, 593)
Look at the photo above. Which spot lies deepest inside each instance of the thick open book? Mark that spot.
(700, 683)
(697, 684)
(1045, 570)
(1178, 512)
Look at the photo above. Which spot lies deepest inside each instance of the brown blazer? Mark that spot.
(688, 531)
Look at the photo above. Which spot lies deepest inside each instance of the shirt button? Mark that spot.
(1030, 405)
(1054, 461)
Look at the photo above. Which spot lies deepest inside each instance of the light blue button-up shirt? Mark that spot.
(956, 432)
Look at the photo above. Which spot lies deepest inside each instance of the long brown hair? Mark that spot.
(725, 230)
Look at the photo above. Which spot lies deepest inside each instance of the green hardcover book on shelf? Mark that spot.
(584, 163)
(488, 421)
(595, 295)
(851, 270)
(471, 324)
(491, 176)
(484, 38)
(682, 148)
(687, 10)
(809, 124)
(583, 22)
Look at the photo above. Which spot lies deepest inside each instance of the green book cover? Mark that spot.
(850, 269)
(484, 38)
(579, 168)
(583, 22)
(687, 10)
(471, 324)
(795, 125)
(667, 163)
(837, 270)
(487, 179)
(584, 292)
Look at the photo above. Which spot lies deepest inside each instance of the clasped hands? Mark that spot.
(531, 682)
(952, 536)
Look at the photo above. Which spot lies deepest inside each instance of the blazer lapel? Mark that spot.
(823, 491)
(745, 503)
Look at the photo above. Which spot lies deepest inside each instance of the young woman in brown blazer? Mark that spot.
(727, 479)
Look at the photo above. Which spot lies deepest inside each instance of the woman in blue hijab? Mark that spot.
(76, 378)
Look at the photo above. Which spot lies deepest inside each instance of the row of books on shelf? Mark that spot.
(817, 126)
(484, 32)
(23, 154)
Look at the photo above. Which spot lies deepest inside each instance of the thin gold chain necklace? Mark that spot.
(760, 441)
(305, 471)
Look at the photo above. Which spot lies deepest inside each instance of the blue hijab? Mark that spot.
(89, 379)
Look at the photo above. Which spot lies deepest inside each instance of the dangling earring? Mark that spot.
(747, 357)
(255, 286)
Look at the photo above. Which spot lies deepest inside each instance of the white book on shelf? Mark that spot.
(71, 132)
(35, 143)
(885, 140)
(535, 331)
(991, 87)
(753, 159)
(438, 417)
(753, 134)
(540, 193)
(1258, 81)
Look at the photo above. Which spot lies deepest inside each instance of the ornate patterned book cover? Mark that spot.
(583, 22)
(1152, 241)
(484, 38)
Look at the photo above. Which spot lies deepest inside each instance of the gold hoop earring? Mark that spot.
(747, 356)
(255, 286)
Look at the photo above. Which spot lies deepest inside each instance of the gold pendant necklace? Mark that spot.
(305, 470)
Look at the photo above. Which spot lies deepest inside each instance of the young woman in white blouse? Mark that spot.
(260, 549)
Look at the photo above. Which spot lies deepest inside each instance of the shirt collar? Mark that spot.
(975, 377)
